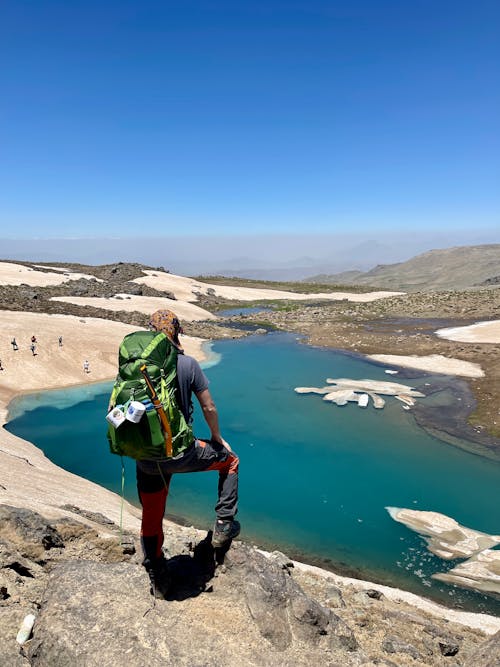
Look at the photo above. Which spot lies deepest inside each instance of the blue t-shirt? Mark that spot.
(191, 379)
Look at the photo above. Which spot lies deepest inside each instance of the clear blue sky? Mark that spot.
(229, 117)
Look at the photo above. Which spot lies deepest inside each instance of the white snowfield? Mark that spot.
(434, 363)
(17, 274)
(480, 332)
(186, 312)
(189, 289)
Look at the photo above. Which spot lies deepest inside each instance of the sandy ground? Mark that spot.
(185, 311)
(188, 289)
(434, 363)
(17, 274)
(481, 332)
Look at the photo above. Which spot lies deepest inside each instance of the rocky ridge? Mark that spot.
(92, 604)
(448, 268)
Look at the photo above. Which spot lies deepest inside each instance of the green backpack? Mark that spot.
(147, 439)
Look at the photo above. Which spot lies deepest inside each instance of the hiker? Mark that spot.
(33, 348)
(33, 339)
(1, 367)
(153, 475)
(60, 341)
(86, 366)
(14, 344)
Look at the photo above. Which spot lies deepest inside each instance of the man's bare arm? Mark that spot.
(210, 413)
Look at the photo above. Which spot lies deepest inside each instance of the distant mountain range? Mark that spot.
(273, 257)
(451, 268)
(345, 256)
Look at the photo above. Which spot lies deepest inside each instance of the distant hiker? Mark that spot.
(33, 339)
(60, 341)
(1, 367)
(14, 344)
(33, 348)
(175, 377)
(86, 366)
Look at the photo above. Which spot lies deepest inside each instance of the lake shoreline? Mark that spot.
(448, 423)
(307, 551)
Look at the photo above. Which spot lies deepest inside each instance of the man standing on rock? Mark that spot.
(153, 476)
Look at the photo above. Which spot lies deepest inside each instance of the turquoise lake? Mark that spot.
(314, 478)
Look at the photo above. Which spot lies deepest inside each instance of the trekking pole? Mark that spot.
(159, 409)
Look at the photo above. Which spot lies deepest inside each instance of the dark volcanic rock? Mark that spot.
(97, 517)
(448, 647)
(393, 644)
(280, 607)
(31, 532)
(135, 289)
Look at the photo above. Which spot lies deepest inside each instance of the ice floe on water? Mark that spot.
(481, 572)
(342, 391)
(447, 539)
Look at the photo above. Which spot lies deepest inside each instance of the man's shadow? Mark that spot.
(191, 575)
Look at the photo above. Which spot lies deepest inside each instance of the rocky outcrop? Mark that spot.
(92, 604)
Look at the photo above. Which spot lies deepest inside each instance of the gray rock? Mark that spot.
(487, 654)
(128, 545)
(365, 597)
(374, 594)
(29, 294)
(341, 635)
(135, 289)
(265, 592)
(282, 560)
(30, 532)
(313, 619)
(392, 644)
(281, 609)
(334, 597)
(77, 623)
(96, 517)
(448, 647)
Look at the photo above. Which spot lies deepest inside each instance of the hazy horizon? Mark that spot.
(272, 256)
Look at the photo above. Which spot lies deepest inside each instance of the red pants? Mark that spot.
(153, 481)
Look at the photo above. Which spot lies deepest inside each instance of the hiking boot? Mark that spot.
(224, 531)
(159, 578)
